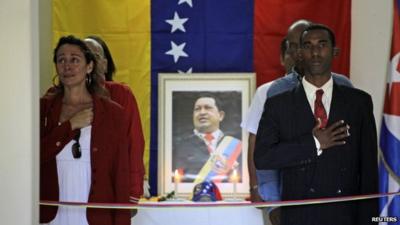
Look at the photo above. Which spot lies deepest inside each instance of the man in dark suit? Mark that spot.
(305, 133)
(206, 154)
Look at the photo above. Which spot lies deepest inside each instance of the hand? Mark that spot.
(254, 196)
(133, 212)
(82, 118)
(332, 135)
(275, 216)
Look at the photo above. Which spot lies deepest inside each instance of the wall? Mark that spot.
(19, 93)
(371, 36)
(46, 49)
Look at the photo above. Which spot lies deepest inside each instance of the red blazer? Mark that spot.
(109, 158)
(123, 95)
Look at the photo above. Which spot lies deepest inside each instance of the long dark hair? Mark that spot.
(107, 54)
(93, 86)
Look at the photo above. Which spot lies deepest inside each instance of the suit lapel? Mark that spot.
(338, 105)
(302, 110)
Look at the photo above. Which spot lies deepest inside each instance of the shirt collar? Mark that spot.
(216, 134)
(310, 89)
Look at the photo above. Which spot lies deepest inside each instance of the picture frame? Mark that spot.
(177, 94)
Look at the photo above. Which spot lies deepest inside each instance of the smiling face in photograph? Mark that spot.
(206, 115)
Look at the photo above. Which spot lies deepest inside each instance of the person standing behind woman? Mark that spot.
(83, 153)
(123, 95)
(100, 49)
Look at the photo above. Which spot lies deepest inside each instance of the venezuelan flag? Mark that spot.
(147, 37)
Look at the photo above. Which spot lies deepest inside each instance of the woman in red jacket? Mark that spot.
(84, 144)
(123, 95)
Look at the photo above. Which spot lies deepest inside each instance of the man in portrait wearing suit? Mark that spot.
(206, 154)
(322, 138)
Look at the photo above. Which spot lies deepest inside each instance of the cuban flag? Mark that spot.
(389, 167)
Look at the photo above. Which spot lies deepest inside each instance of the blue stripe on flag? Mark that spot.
(390, 147)
(383, 185)
(197, 36)
(231, 147)
(394, 209)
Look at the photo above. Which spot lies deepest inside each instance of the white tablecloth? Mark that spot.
(236, 215)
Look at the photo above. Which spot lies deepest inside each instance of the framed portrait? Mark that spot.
(200, 138)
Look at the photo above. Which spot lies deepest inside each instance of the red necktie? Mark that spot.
(319, 110)
(209, 137)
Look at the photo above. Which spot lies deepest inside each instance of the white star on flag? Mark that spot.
(177, 51)
(189, 2)
(177, 23)
(189, 71)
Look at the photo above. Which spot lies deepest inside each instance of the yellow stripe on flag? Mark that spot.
(125, 27)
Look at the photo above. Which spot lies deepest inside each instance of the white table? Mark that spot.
(234, 215)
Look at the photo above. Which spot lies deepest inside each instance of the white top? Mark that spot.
(74, 180)
(254, 113)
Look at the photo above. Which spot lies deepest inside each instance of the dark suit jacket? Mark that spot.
(285, 142)
(189, 154)
(109, 158)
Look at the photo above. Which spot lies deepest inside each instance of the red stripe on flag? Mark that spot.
(272, 19)
(392, 95)
(392, 99)
(396, 31)
(398, 66)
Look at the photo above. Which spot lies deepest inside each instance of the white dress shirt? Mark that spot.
(217, 135)
(310, 90)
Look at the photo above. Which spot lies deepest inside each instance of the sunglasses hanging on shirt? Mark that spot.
(76, 147)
